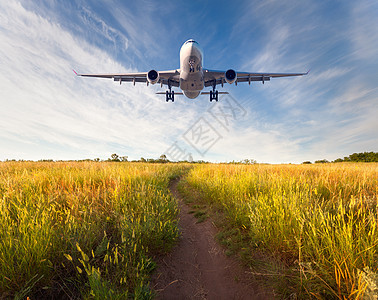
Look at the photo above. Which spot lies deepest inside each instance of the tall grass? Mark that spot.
(321, 220)
(86, 230)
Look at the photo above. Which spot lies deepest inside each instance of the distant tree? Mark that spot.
(114, 157)
(123, 158)
(248, 161)
(142, 159)
(201, 161)
(364, 157)
(306, 162)
(96, 159)
(163, 158)
(323, 161)
(360, 157)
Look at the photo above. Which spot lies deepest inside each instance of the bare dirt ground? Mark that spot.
(198, 268)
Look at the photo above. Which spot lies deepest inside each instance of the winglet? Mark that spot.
(308, 71)
(75, 72)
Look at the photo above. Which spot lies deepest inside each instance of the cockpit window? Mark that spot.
(191, 41)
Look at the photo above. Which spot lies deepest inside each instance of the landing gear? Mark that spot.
(170, 95)
(214, 94)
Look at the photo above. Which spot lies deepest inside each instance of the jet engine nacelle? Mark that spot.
(153, 76)
(230, 76)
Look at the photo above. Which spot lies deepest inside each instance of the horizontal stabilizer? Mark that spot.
(163, 93)
(220, 93)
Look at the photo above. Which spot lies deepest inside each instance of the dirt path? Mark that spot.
(197, 268)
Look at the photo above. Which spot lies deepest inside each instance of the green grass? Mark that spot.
(317, 224)
(89, 230)
(84, 230)
(200, 212)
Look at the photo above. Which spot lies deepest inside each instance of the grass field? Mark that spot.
(319, 220)
(83, 230)
(89, 230)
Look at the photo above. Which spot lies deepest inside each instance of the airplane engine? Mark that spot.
(153, 76)
(230, 76)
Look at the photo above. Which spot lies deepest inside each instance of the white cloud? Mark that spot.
(267, 145)
(332, 111)
(364, 33)
(47, 112)
(328, 74)
(44, 103)
(354, 95)
(96, 24)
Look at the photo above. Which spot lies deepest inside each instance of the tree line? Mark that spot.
(360, 157)
(355, 157)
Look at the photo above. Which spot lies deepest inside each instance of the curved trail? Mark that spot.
(198, 268)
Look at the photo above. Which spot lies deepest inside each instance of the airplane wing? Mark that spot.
(212, 77)
(171, 77)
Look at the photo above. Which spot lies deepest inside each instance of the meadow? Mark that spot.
(83, 229)
(315, 225)
(90, 230)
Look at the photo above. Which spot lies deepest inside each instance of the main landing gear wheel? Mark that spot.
(170, 95)
(213, 96)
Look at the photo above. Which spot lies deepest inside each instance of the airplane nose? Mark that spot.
(191, 47)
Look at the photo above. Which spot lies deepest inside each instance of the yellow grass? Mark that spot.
(321, 220)
(90, 229)
(70, 229)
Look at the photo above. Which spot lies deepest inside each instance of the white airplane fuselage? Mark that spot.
(191, 71)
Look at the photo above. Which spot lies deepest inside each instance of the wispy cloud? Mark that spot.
(98, 25)
(331, 111)
(43, 103)
(363, 29)
(49, 112)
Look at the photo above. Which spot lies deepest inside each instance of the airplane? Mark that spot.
(192, 77)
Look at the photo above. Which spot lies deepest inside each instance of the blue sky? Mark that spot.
(49, 113)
